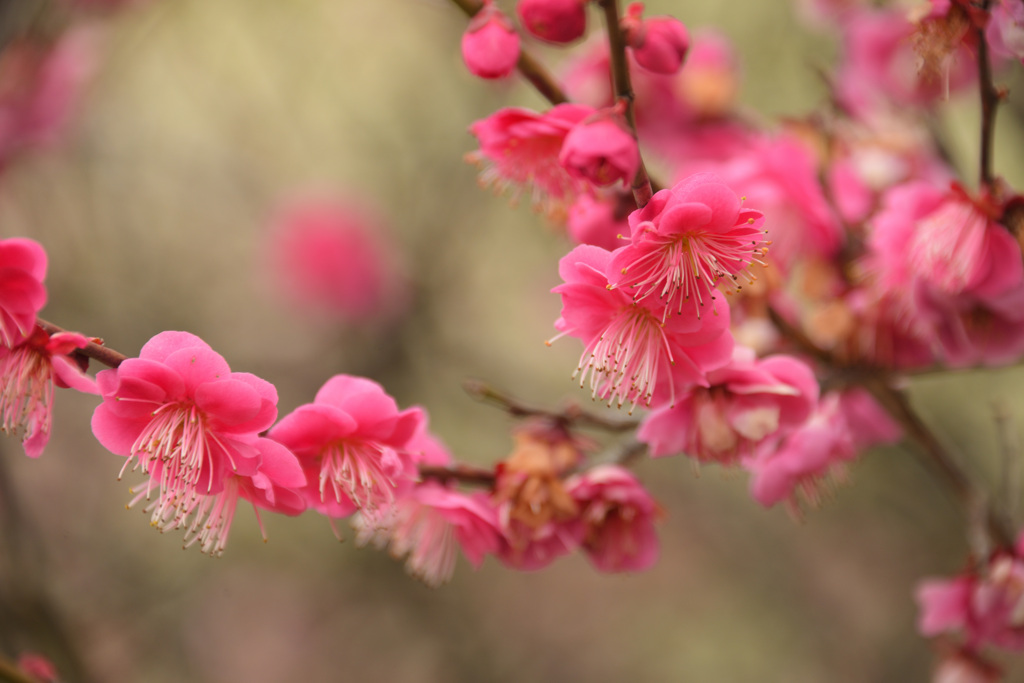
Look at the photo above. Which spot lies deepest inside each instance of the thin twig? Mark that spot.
(989, 105)
(572, 416)
(642, 190)
(97, 352)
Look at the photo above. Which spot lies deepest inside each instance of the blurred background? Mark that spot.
(156, 209)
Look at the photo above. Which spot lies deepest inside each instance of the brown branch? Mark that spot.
(642, 189)
(990, 97)
(531, 69)
(572, 416)
(467, 474)
(9, 673)
(97, 352)
(895, 402)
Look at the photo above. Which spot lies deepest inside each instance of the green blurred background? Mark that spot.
(203, 115)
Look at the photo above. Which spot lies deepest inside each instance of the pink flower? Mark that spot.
(630, 346)
(964, 665)
(601, 149)
(1005, 29)
(353, 444)
(180, 414)
(600, 221)
(987, 605)
(779, 176)
(334, 256)
(41, 86)
(618, 517)
(429, 523)
(519, 147)
(659, 44)
(556, 21)
(22, 293)
(748, 401)
(490, 45)
(804, 460)
(685, 241)
(38, 667)
(28, 373)
(273, 487)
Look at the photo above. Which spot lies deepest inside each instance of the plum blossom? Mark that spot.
(985, 603)
(618, 516)
(22, 293)
(490, 45)
(684, 241)
(332, 255)
(556, 21)
(748, 401)
(631, 346)
(183, 417)
(28, 374)
(600, 221)
(601, 149)
(354, 446)
(430, 523)
(520, 148)
(659, 44)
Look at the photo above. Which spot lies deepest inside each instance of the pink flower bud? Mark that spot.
(601, 150)
(490, 45)
(659, 43)
(556, 21)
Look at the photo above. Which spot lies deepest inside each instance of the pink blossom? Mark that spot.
(804, 460)
(630, 346)
(618, 516)
(22, 293)
(28, 373)
(748, 401)
(964, 665)
(601, 149)
(1005, 29)
(181, 416)
(520, 148)
(684, 241)
(972, 330)
(38, 667)
(353, 444)
(600, 221)
(556, 21)
(880, 67)
(429, 523)
(987, 605)
(274, 487)
(42, 85)
(490, 45)
(334, 256)
(779, 176)
(659, 44)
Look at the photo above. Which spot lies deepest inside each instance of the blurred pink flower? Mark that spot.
(180, 414)
(490, 45)
(38, 667)
(630, 346)
(520, 148)
(684, 241)
(1005, 29)
(40, 85)
(659, 44)
(22, 293)
(332, 255)
(28, 373)
(748, 401)
(599, 221)
(618, 516)
(429, 523)
(353, 444)
(556, 21)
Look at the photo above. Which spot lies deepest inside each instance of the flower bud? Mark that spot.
(556, 21)
(490, 45)
(601, 150)
(659, 44)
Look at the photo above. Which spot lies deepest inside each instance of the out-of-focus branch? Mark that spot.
(990, 97)
(572, 416)
(9, 673)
